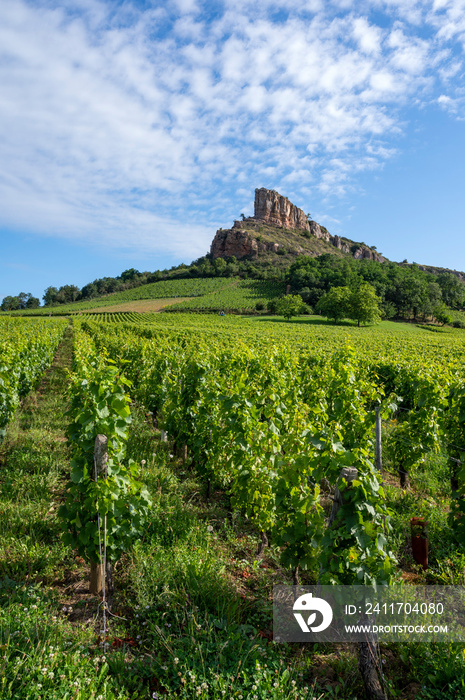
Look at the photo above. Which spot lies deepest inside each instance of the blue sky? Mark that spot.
(130, 132)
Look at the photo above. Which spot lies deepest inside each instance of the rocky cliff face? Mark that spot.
(274, 210)
(234, 241)
(240, 242)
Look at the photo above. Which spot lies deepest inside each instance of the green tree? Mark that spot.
(272, 306)
(412, 293)
(453, 290)
(23, 297)
(363, 305)
(388, 310)
(89, 291)
(335, 303)
(32, 302)
(67, 293)
(290, 305)
(24, 300)
(50, 296)
(220, 266)
(130, 274)
(10, 303)
(441, 314)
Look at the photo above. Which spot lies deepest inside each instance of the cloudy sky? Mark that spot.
(131, 131)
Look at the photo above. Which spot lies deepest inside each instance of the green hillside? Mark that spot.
(230, 294)
(165, 289)
(243, 296)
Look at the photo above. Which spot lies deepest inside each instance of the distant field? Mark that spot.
(212, 294)
(229, 294)
(140, 306)
(166, 289)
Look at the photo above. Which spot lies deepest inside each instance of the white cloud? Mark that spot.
(412, 11)
(128, 124)
(449, 104)
(368, 36)
(187, 6)
(409, 54)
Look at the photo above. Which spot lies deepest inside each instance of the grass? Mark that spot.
(141, 306)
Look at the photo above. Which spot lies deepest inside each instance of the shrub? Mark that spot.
(272, 306)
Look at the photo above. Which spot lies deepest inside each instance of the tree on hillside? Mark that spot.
(290, 305)
(32, 302)
(335, 303)
(27, 301)
(23, 297)
(404, 291)
(453, 290)
(24, 300)
(50, 296)
(363, 305)
(220, 266)
(129, 274)
(412, 294)
(10, 303)
(89, 291)
(67, 294)
(441, 314)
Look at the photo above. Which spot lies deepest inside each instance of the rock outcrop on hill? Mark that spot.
(243, 240)
(234, 241)
(441, 270)
(275, 209)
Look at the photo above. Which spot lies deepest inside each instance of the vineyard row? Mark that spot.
(272, 425)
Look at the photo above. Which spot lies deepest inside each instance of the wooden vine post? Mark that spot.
(379, 458)
(349, 474)
(403, 476)
(419, 530)
(368, 651)
(97, 572)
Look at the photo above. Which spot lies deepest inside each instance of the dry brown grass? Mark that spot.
(141, 305)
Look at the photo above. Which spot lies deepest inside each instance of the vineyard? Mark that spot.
(226, 438)
(164, 289)
(241, 297)
(26, 351)
(229, 294)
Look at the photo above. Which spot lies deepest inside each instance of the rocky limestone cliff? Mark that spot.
(235, 241)
(240, 242)
(275, 209)
(244, 239)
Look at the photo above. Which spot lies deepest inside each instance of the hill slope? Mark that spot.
(278, 227)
